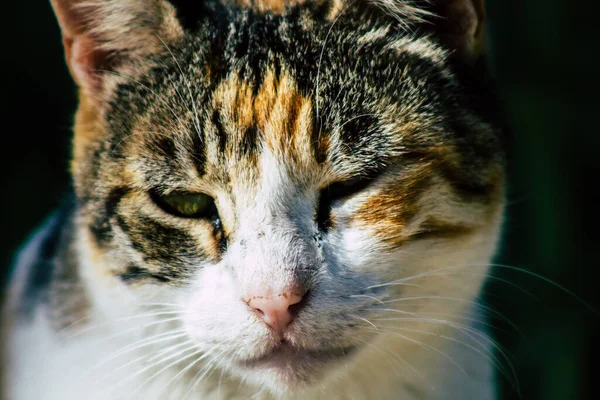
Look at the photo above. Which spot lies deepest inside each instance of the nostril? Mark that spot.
(277, 311)
(259, 311)
(294, 308)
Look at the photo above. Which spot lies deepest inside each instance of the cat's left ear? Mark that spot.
(460, 25)
(103, 36)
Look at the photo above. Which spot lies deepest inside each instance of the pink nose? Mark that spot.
(276, 311)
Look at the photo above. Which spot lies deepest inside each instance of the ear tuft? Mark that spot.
(102, 34)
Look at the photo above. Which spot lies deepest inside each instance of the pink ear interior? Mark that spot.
(84, 54)
(86, 60)
(70, 16)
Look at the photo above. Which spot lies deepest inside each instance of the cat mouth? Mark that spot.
(294, 363)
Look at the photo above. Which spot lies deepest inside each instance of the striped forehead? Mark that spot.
(269, 105)
(223, 138)
(247, 119)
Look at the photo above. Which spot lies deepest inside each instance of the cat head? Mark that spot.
(290, 175)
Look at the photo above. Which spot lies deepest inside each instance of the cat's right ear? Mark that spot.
(105, 36)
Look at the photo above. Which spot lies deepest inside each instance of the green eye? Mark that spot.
(186, 205)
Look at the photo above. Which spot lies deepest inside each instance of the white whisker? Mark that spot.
(200, 375)
(421, 344)
(116, 335)
(473, 303)
(488, 356)
(391, 357)
(367, 297)
(168, 349)
(365, 320)
(185, 357)
(140, 344)
(187, 368)
(467, 331)
(152, 365)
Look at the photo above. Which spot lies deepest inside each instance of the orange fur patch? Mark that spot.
(406, 209)
(282, 115)
(264, 6)
(88, 129)
(389, 212)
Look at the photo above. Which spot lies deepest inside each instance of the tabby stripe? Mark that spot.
(199, 153)
(219, 131)
(134, 273)
(172, 249)
(100, 226)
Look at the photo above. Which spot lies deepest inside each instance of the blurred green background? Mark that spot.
(545, 62)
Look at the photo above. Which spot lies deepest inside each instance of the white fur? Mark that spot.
(48, 365)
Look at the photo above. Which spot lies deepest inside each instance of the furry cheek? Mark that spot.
(216, 317)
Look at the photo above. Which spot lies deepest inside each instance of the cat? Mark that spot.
(272, 200)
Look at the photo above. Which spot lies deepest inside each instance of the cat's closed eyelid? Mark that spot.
(339, 191)
(436, 229)
(342, 188)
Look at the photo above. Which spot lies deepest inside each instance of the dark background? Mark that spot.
(545, 62)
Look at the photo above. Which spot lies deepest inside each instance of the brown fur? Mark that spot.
(281, 114)
(422, 203)
(264, 6)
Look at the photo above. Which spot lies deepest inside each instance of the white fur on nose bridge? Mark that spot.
(269, 244)
(275, 183)
(261, 264)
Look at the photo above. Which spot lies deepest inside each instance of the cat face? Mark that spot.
(293, 179)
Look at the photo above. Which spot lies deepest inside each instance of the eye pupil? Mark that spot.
(186, 205)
